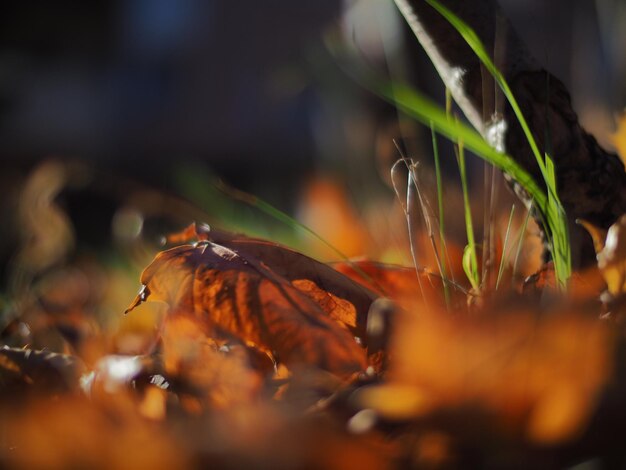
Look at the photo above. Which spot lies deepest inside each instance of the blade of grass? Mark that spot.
(439, 183)
(555, 214)
(427, 213)
(470, 260)
(407, 207)
(520, 241)
(424, 110)
(428, 222)
(411, 166)
(506, 239)
(442, 236)
(448, 108)
(560, 239)
(472, 39)
(281, 216)
(489, 215)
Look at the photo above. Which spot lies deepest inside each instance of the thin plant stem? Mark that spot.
(556, 222)
(442, 236)
(520, 240)
(407, 207)
(504, 247)
(281, 216)
(471, 268)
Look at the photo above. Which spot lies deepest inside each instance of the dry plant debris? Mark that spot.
(268, 358)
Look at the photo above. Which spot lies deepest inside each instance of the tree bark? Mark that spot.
(591, 182)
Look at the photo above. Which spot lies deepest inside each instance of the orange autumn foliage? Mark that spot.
(402, 284)
(73, 432)
(222, 379)
(305, 273)
(543, 374)
(326, 208)
(240, 298)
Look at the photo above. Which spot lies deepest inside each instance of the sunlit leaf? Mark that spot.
(399, 282)
(611, 254)
(296, 268)
(73, 432)
(509, 363)
(597, 234)
(396, 401)
(470, 266)
(238, 296)
(612, 258)
(218, 376)
(38, 371)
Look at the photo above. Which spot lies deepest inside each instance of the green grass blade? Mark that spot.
(469, 254)
(424, 110)
(470, 260)
(472, 39)
(281, 216)
(555, 215)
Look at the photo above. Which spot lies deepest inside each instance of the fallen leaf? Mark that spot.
(325, 207)
(337, 308)
(153, 403)
(37, 371)
(558, 414)
(74, 432)
(219, 376)
(395, 401)
(513, 364)
(612, 258)
(598, 235)
(583, 286)
(302, 271)
(403, 284)
(239, 297)
(611, 254)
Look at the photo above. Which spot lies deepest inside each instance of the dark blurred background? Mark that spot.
(163, 95)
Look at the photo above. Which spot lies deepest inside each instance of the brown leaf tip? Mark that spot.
(141, 297)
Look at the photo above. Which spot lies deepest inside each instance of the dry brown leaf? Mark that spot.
(611, 254)
(295, 268)
(326, 208)
(337, 308)
(189, 355)
(612, 258)
(398, 282)
(73, 432)
(238, 297)
(515, 365)
(47, 230)
(37, 371)
(153, 404)
(582, 286)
